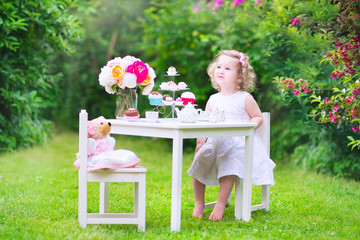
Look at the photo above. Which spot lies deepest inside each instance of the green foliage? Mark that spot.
(39, 196)
(29, 33)
(111, 29)
(332, 103)
(188, 35)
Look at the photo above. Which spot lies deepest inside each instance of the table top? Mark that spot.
(176, 124)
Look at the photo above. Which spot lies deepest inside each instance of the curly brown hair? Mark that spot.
(247, 77)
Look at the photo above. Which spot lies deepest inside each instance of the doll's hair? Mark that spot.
(247, 77)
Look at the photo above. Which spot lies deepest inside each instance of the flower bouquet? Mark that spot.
(122, 76)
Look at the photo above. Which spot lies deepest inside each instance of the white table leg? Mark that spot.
(247, 188)
(176, 181)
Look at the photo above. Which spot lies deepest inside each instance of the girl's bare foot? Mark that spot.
(198, 210)
(218, 212)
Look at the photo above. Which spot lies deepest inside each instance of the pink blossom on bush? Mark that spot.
(327, 99)
(296, 92)
(349, 99)
(356, 129)
(294, 21)
(306, 90)
(196, 9)
(356, 91)
(336, 108)
(237, 2)
(333, 118)
(258, 2)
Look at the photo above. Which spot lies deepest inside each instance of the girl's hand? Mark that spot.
(199, 143)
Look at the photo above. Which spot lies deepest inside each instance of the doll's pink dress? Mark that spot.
(223, 156)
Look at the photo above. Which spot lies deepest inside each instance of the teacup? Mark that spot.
(221, 116)
(213, 117)
(151, 116)
(204, 115)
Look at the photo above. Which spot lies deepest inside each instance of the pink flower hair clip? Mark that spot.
(242, 58)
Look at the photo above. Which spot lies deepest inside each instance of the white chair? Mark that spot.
(136, 175)
(264, 134)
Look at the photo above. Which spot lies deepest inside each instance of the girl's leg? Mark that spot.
(199, 194)
(226, 185)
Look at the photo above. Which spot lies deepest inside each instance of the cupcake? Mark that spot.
(178, 101)
(168, 99)
(172, 86)
(182, 85)
(188, 97)
(164, 86)
(171, 71)
(132, 115)
(155, 98)
(165, 96)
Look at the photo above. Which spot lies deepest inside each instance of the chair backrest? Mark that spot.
(264, 131)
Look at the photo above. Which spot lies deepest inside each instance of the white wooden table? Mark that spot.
(177, 131)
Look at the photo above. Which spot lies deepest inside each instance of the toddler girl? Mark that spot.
(220, 160)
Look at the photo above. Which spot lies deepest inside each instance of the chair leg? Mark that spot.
(140, 201)
(238, 197)
(82, 212)
(104, 197)
(265, 196)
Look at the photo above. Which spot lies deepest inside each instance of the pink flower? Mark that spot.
(294, 21)
(306, 90)
(336, 108)
(139, 69)
(333, 75)
(327, 99)
(196, 9)
(258, 2)
(356, 91)
(296, 92)
(349, 99)
(339, 44)
(237, 2)
(356, 129)
(333, 119)
(218, 3)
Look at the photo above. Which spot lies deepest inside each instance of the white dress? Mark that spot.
(223, 156)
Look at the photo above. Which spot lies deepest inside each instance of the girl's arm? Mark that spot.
(253, 110)
(200, 141)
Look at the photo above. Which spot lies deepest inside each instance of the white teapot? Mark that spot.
(188, 113)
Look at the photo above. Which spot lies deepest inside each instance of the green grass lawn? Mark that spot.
(38, 199)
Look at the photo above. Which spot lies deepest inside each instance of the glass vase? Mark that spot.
(125, 99)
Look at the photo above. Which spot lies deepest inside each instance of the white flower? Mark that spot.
(109, 89)
(129, 80)
(151, 71)
(131, 59)
(123, 79)
(117, 60)
(148, 88)
(105, 77)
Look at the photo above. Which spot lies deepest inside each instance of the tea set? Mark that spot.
(189, 114)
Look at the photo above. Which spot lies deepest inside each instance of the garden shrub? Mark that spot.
(188, 35)
(30, 31)
(332, 103)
